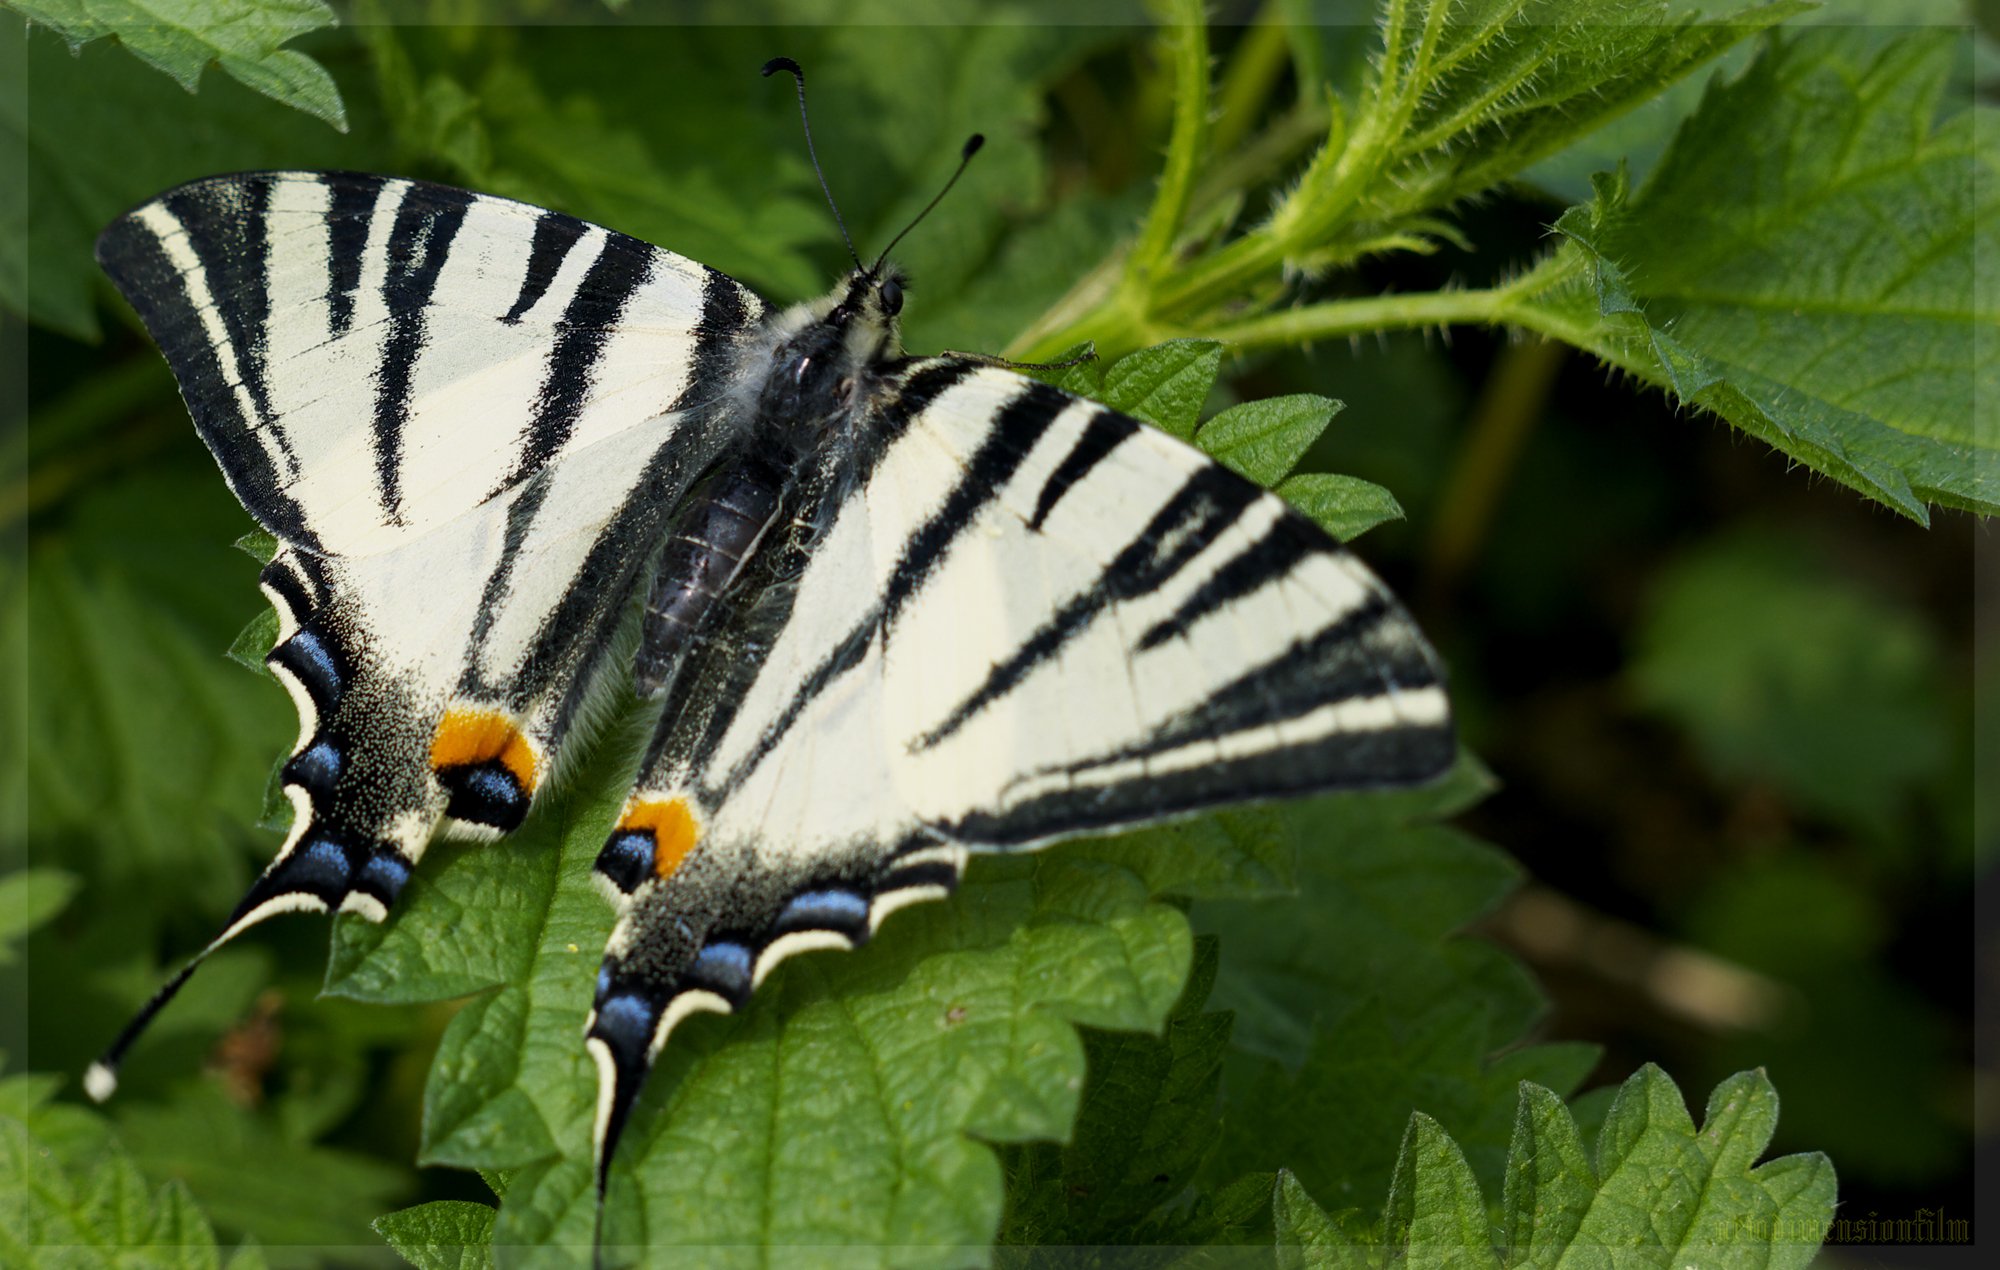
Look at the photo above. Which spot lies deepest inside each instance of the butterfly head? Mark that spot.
(824, 351)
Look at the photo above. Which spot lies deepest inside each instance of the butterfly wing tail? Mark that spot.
(317, 875)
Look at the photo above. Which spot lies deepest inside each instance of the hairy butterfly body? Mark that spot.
(893, 610)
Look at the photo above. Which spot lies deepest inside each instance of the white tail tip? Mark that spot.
(100, 1082)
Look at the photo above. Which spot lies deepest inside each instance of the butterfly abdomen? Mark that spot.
(714, 536)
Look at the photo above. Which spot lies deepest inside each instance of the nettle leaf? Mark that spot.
(1264, 439)
(246, 38)
(27, 899)
(1147, 1121)
(1310, 1238)
(1785, 670)
(1508, 82)
(99, 134)
(1658, 1184)
(1357, 1003)
(96, 1208)
(1754, 276)
(1658, 1190)
(1344, 506)
(1165, 385)
(443, 1235)
(250, 1176)
(167, 820)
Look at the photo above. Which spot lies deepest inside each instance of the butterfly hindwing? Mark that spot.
(1010, 616)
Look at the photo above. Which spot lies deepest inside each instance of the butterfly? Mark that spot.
(892, 610)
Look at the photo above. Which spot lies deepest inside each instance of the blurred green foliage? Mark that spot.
(1725, 706)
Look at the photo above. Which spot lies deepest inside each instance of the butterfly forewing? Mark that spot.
(465, 420)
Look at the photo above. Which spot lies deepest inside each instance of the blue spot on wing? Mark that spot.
(627, 859)
(315, 768)
(314, 665)
(625, 1021)
(384, 875)
(724, 969)
(833, 909)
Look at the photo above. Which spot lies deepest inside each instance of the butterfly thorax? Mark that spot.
(822, 353)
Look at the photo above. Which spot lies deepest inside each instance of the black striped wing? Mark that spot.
(464, 419)
(1025, 616)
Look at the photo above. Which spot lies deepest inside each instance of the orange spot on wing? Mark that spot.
(467, 738)
(673, 827)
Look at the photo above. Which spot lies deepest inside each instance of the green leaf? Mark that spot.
(1164, 385)
(1692, 1197)
(251, 1176)
(143, 750)
(97, 135)
(1264, 439)
(1785, 670)
(1344, 506)
(1435, 1216)
(1310, 1238)
(1504, 83)
(245, 38)
(27, 899)
(1658, 1192)
(1358, 1001)
(92, 1212)
(1802, 263)
(1242, 853)
(443, 1235)
(1147, 1120)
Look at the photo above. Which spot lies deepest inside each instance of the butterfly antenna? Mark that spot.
(972, 144)
(791, 68)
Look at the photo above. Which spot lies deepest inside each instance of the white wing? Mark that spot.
(465, 419)
(1021, 616)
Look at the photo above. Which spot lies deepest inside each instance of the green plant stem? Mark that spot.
(1514, 399)
(1253, 70)
(1187, 48)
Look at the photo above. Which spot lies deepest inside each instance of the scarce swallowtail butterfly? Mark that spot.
(893, 609)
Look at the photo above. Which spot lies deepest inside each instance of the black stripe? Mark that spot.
(1353, 760)
(228, 229)
(991, 466)
(927, 873)
(621, 268)
(349, 211)
(1364, 654)
(1206, 505)
(291, 588)
(555, 234)
(419, 242)
(521, 513)
(725, 311)
(1100, 436)
(575, 634)
(314, 569)
(136, 260)
(916, 385)
(1271, 557)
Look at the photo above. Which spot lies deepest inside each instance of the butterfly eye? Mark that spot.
(891, 292)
